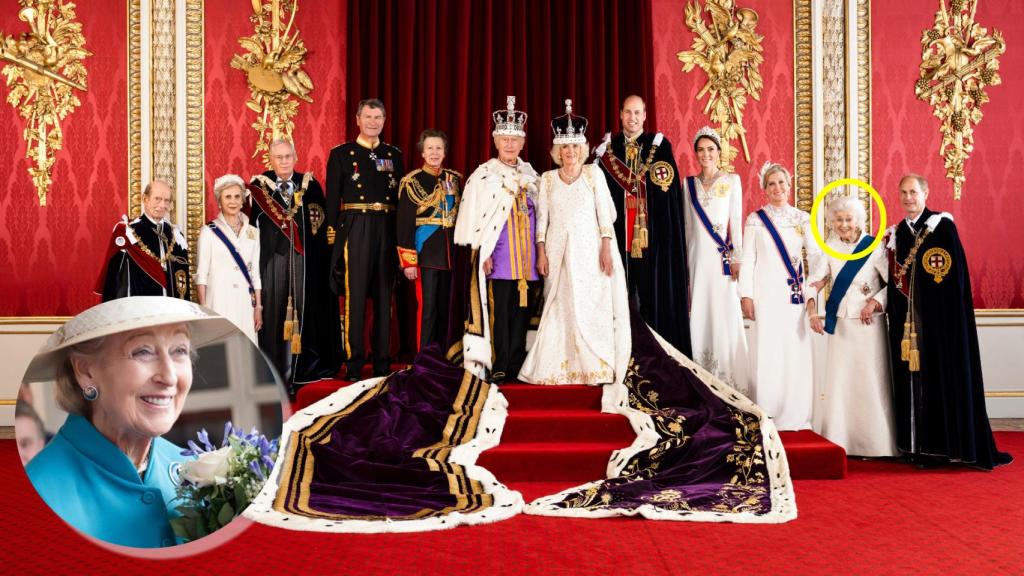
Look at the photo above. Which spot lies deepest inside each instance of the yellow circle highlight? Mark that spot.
(814, 218)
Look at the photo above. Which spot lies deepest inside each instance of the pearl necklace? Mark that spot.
(567, 178)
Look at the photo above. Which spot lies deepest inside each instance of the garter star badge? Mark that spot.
(936, 262)
(662, 174)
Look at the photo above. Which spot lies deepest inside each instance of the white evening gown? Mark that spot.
(781, 358)
(716, 321)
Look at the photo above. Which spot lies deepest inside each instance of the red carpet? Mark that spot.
(558, 433)
(885, 517)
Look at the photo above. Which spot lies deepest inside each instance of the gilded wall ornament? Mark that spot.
(45, 67)
(273, 66)
(959, 59)
(729, 51)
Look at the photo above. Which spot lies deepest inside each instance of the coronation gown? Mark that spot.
(583, 337)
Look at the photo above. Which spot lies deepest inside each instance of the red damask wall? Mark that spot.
(769, 122)
(230, 139)
(49, 255)
(905, 137)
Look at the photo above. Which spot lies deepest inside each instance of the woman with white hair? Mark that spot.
(228, 269)
(775, 241)
(122, 370)
(854, 408)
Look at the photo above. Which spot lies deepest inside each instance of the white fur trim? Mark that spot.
(507, 503)
(934, 220)
(599, 151)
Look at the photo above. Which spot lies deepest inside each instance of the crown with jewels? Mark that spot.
(708, 132)
(509, 122)
(569, 129)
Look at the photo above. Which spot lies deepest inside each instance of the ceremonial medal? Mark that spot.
(936, 262)
(355, 174)
(662, 175)
(316, 217)
(865, 289)
(181, 283)
(720, 189)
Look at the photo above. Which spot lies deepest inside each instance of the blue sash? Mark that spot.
(725, 247)
(796, 275)
(842, 284)
(238, 259)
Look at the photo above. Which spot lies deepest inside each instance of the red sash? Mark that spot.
(119, 241)
(276, 214)
(607, 161)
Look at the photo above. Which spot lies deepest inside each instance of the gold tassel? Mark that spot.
(905, 343)
(296, 343)
(522, 293)
(643, 233)
(289, 325)
(635, 251)
(915, 355)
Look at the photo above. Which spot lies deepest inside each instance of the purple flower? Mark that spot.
(255, 467)
(205, 439)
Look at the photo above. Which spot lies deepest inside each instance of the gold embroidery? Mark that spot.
(937, 262)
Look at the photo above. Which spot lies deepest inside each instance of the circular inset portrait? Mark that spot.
(148, 422)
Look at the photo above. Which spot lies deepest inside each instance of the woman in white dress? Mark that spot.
(220, 280)
(714, 226)
(583, 337)
(775, 240)
(854, 409)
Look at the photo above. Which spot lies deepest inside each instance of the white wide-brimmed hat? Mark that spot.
(122, 315)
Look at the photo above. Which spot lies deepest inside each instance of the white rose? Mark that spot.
(210, 468)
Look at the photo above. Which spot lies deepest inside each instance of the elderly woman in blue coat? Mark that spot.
(122, 371)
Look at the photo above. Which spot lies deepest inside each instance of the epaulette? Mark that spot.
(410, 175)
(456, 172)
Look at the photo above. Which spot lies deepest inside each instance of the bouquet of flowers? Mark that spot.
(219, 484)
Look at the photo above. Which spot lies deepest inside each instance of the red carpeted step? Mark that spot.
(314, 391)
(812, 457)
(565, 426)
(532, 397)
(548, 461)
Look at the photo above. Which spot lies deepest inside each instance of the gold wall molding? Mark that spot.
(863, 120)
(195, 140)
(273, 64)
(959, 60)
(45, 65)
(803, 104)
(163, 96)
(134, 106)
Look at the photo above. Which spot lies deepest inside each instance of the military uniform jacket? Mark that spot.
(145, 258)
(427, 208)
(358, 176)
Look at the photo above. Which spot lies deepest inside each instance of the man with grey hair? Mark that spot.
(149, 255)
(362, 201)
(300, 317)
(938, 391)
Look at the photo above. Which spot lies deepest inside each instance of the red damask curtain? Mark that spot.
(449, 64)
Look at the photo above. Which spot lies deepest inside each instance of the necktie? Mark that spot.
(285, 189)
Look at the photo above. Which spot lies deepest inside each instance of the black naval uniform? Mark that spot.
(362, 198)
(427, 208)
(306, 255)
(939, 394)
(658, 279)
(146, 258)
